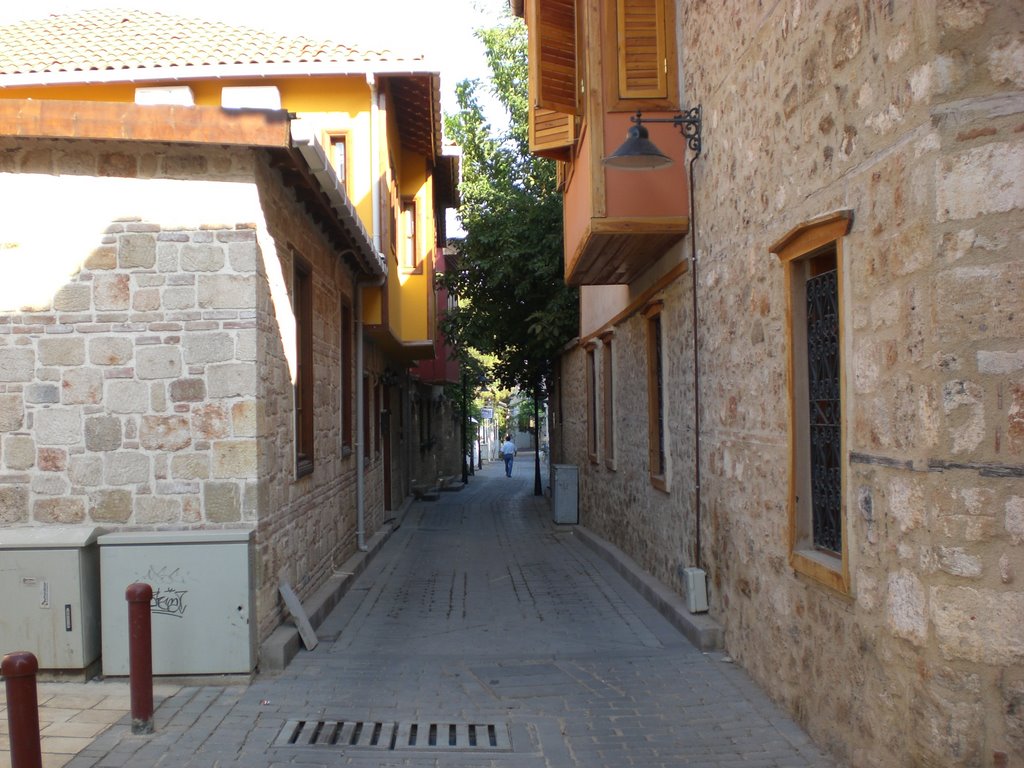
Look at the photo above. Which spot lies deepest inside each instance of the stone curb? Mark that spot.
(284, 642)
(699, 628)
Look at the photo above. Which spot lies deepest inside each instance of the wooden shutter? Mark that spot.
(551, 133)
(552, 59)
(642, 49)
(553, 32)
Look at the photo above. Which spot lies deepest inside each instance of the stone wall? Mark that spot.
(618, 500)
(911, 115)
(306, 526)
(123, 398)
(435, 436)
(154, 390)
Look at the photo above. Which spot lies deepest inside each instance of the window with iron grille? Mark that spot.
(347, 396)
(824, 405)
(813, 259)
(591, 405)
(302, 306)
(608, 400)
(658, 452)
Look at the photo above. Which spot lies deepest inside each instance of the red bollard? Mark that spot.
(140, 656)
(19, 671)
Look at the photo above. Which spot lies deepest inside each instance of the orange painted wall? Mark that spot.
(578, 202)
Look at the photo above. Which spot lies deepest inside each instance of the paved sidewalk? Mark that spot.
(73, 714)
(480, 635)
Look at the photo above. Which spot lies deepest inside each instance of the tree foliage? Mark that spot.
(513, 302)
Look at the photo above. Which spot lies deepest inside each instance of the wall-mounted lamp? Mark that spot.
(639, 153)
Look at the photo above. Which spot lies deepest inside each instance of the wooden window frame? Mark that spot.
(347, 391)
(657, 427)
(302, 306)
(378, 409)
(608, 398)
(367, 421)
(409, 261)
(560, 384)
(335, 139)
(592, 410)
(798, 251)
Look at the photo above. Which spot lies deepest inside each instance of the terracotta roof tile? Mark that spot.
(111, 40)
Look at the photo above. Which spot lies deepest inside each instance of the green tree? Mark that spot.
(508, 276)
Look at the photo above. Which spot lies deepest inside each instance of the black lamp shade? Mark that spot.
(638, 152)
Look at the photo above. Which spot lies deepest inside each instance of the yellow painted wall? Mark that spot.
(415, 288)
(342, 103)
(298, 94)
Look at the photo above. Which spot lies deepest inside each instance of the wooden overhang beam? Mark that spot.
(119, 121)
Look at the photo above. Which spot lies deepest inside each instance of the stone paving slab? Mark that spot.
(480, 611)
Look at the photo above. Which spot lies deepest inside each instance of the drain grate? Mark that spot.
(405, 736)
(461, 737)
(336, 733)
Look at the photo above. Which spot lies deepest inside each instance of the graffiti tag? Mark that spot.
(169, 602)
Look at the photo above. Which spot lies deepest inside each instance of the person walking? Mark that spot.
(508, 452)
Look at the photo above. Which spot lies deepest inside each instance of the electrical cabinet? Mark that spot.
(696, 587)
(50, 582)
(204, 602)
(565, 506)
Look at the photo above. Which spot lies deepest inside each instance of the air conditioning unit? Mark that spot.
(168, 95)
(696, 586)
(250, 97)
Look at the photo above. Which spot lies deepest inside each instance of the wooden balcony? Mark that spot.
(617, 222)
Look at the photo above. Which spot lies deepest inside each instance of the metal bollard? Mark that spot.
(19, 671)
(140, 656)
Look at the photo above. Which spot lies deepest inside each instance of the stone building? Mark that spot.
(823, 411)
(216, 278)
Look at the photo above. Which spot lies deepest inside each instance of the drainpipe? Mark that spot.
(696, 368)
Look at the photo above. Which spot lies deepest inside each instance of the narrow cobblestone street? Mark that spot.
(480, 635)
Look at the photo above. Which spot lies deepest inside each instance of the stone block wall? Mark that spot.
(129, 400)
(438, 420)
(617, 498)
(307, 526)
(153, 391)
(911, 116)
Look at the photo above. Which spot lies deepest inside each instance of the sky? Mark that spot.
(440, 29)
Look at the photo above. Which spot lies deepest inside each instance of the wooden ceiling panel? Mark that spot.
(619, 251)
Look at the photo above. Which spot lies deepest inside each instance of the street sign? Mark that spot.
(486, 413)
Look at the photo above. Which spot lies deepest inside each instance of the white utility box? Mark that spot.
(204, 600)
(696, 585)
(50, 582)
(565, 492)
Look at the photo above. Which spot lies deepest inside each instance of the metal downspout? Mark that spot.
(696, 367)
